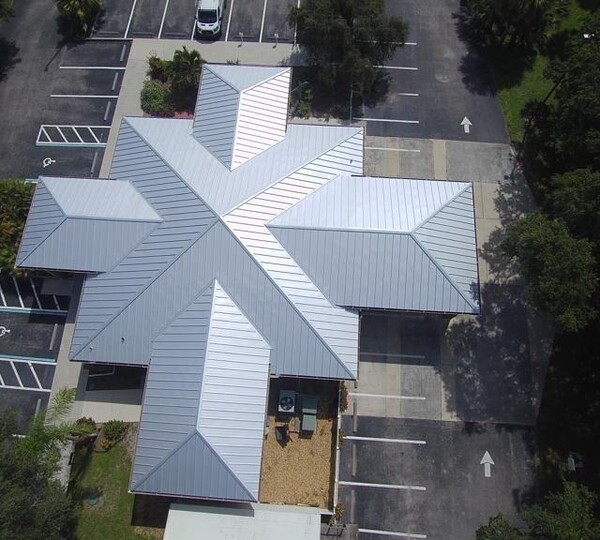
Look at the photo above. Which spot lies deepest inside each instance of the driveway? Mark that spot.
(435, 82)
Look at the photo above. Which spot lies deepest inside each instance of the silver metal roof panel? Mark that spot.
(213, 426)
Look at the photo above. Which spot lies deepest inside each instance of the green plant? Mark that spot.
(84, 426)
(80, 12)
(155, 99)
(343, 397)
(158, 69)
(112, 433)
(15, 199)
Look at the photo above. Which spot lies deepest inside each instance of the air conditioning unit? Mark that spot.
(287, 401)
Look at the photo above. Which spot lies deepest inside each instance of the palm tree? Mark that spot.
(81, 12)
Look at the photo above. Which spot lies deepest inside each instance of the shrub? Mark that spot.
(155, 99)
(113, 432)
(158, 69)
(84, 426)
(15, 199)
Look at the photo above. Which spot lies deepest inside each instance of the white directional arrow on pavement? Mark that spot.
(487, 463)
(466, 124)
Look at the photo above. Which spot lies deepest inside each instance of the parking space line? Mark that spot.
(402, 68)
(62, 134)
(16, 374)
(18, 292)
(407, 94)
(387, 120)
(37, 380)
(2, 381)
(383, 486)
(35, 294)
(262, 24)
(2, 296)
(25, 388)
(416, 150)
(162, 22)
(107, 110)
(382, 439)
(391, 533)
(114, 83)
(90, 96)
(11, 309)
(229, 21)
(387, 396)
(28, 359)
(93, 67)
(130, 19)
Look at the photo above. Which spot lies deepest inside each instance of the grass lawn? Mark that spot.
(107, 475)
(517, 86)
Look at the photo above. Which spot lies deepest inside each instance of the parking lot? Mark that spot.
(407, 468)
(435, 82)
(247, 20)
(75, 124)
(31, 326)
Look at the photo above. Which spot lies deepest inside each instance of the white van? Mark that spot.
(209, 14)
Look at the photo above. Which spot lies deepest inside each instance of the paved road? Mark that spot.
(435, 82)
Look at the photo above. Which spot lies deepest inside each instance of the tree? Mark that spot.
(565, 515)
(6, 9)
(15, 199)
(346, 39)
(559, 270)
(498, 528)
(80, 12)
(574, 197)
(32, 504)
(512, 23)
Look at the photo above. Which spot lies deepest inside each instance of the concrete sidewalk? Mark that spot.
(128, 104)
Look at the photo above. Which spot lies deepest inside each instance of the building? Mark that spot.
(233, 248)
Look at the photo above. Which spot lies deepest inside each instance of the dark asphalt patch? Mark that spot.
(179, 20)
(84, 81)
(276, 16)
(146, 18)
(45, 374)
(79, 111)
(113, 20)
(9, 291)
(8, 375)
(246, 18)
(70, 161)
(31, 335)
(26, 375)
(24, 405)
(96, 53)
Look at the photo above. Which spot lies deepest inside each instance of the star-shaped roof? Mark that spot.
(232, 247)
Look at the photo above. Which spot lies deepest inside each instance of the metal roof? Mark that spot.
(196, 221)
(92, 236)
(204, 404)
(241, 111)
(387, 243)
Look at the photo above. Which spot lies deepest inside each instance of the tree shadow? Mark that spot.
(8, 57)
(509, 62)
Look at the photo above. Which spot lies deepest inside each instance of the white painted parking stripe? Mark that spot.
(28, 360)
(11, 387)
(35, 375)
(130, 18)
(35, 294)
(2, 381)
(391, 533)
(229, 21)
(407, 94)
(262, 23)
(14, 309)
(383, 486)
(18, 292)
(89, 96)
(2, 296)
(388, 120)
(193, 30)
(402, 68)
(162, 22)
(392, 149)
(386, 396)
(296, 26)
(382, 439)
(92, 67)
(16, 374)
(114, 83)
